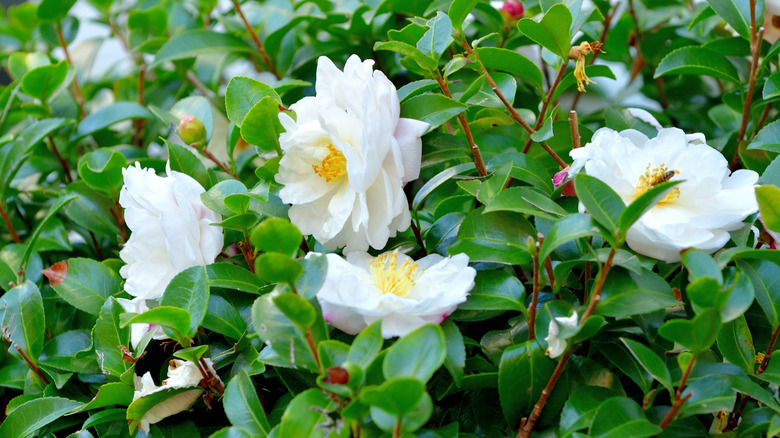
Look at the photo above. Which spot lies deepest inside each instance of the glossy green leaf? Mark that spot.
(245, 410)
(177, 397)
(304, 414)
(570, 228)
(35, 414)
(397, 396)
(276, 235)
(111, 114)
(499, 237)
(643, 204)
(622, 417)
(630, 293)
(261, 126)
(522, 374)
(407, 50)
(434, 109)
(244, 93)
(54, 10)
(442, 177)
(198, 42)
(84, 283)
(102, 170)
(418, 354)
(695, 60)
(367, 345)
(223, 317)
(772, 86)
(736, 13)
(189, 290)
(184, 161)
(600, 200)
(511, 62)
(735, 342)
(650, 362)
(552, 32)
(278, 268)
(229, 276)
(297, 309)
(768, 138)
(23, 319)
(456, 351)
(458, 11)
(768, 197)
(696, 334)
(495, 290)
(765, 278)
(171, 317)
(438, 36)
(581, 407)
(42, 82)
(280, 334)
(525, 200)
(315, 268)
(107, 336)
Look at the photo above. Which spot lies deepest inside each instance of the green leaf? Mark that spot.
(768, 138)
(434, 109)
(410, 51)
(167, 316)
(13, 154)
(214, 198)
(631, 293)
(111, 114)
(522, 374)
(189, 290)
(643, 204)
(511, 62)
(110, 394)
(223, 317)
(197, 106)
(195, 42)
(304, 414)
(229, 276)
(54, 10)
(438, 36)
(244, 93)
(35, 414)
(297, 309)
(23, 319)
(42, 82)
(107, 336)
(315, 268)
(627, 364)
(581, 407)
(456, 351)
(90, 210)
(708, 394)
(418, 354)
(736, 13)
(261, 126)
(70, 351)
(495, 290)
(442, 177)
(622, 417)
(84, 283)
(735, 342)
(276, 235)
(526, 169)
(552, 32)
(458, 11)
(697, 334)
(695, 60)
(650, 362)
(701, 265)
(570, 228)
(278, 268)
(765, 278)
(245, 410)
(280, 334)
(140, 406)
(772, 86)
(367, 345)
(396, 396)
(601, 201)
(768, 197)
(499, 237)
(102, 170)
(184, 161)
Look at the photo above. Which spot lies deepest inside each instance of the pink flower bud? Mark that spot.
(513, 9)
(192, 131)
(559, 179)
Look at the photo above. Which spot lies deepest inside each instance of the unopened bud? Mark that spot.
(336, 375)
(513, 9)
(192, 131)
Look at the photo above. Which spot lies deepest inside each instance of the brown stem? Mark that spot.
(528, 425)
(768, 355)
(575, 130)
(32, 366)
(76, 90)
(549, 269)
(418, 236)
(534, 294)
(120, 220)
(247, 252)
(763, 118)
(546, 103)
(734, 420)
(313, 348)
(512, 111)
(659, 83)
(8, 224)
(256, 40)
(562, 164)
(397, 429)
(678, 401)
(475, 152)
(61, 159)
(98, 251)
(211, 157)
(755, 46)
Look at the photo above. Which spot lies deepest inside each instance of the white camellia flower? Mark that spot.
(181, 374)
(392, 287)
(171, 229)
(698, 213)
(347, 156)
(556, 346)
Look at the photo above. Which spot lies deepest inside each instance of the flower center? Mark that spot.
(391, 278)
(655, 176)
(333, 166)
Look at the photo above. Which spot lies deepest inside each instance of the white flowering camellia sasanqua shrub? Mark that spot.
(389, 218)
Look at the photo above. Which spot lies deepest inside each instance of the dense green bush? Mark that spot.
(390, 218)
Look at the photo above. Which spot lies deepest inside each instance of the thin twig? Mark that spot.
(762, 120)
(475, 152)
(120, 220)
(535, 293)
(575, 129)
(418, 236)
(755, 47)
(256, 40)
(546, 103)
(678, 400)
(61, 159)
(213, 158)
(8, 224)
(98, 251)
(76, 90)
(32, 365)
(528, 425)
(512, 111)
(770, 348)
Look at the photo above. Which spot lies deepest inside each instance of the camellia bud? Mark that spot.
(512, 11)
(192, 131)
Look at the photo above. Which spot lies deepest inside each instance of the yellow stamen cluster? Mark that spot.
(760, 357)
(391, 278)
(655, 176)
(578, 54)
(333, 166)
